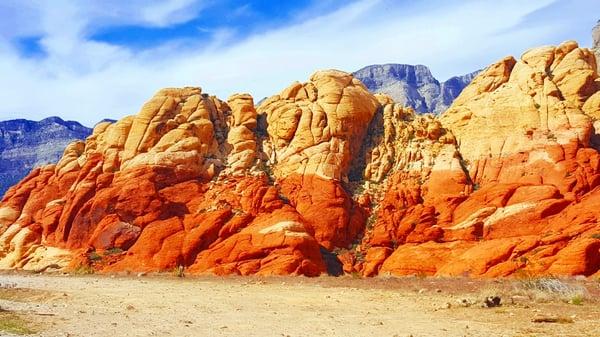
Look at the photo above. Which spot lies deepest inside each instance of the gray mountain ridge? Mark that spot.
(26, 144)
(413, 85)
(596, 43)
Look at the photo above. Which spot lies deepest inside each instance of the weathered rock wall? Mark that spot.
(504, 183)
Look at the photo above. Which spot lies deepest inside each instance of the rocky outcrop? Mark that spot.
(26, 144)
(413, 86)
(523, 143)
(314, 130)
(185, 182)
(324, 174)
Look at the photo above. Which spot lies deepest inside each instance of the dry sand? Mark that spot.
(67, 305)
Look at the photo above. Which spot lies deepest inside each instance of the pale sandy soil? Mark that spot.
(59, 305)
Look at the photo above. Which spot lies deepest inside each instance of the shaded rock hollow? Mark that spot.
(503, 183)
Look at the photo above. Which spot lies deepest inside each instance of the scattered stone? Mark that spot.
(551, 319)
(492, 302)
(516, 299)
(464, 302)
(46, 267)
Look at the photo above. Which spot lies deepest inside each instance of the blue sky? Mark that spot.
(87, 60)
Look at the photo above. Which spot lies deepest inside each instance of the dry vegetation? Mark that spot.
(175, 304)
(13, 323)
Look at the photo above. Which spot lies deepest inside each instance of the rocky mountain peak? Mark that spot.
(596, 35)
(413, 85)
(596, 42)
(381, 75)
(25, 144)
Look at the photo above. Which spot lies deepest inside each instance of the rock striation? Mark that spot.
(26, 144)
(413, 86)
(326, 176)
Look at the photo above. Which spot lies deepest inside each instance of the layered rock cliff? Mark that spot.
(26, 144)
(326, 175)
(413, 86)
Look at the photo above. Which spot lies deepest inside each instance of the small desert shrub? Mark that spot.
(84, 270)
(547, 289)
(577, 299)
(358, 189)
(371, 220)
(421, 275)
(113, 251)
(179, 271)
(360, 256)
(93, 256)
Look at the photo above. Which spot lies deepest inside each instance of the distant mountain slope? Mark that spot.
(26, 144)
(596, 42)
(413, 85)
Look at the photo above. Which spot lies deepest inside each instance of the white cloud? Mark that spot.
(68, 17)
(168, 12)
(87, 80)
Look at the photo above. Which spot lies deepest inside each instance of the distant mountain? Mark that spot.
(596, 42)
(413, 85)
(25, 144)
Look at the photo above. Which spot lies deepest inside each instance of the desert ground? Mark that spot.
(167, 305)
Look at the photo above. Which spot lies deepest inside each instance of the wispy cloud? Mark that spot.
(85, 79)
(165, 13)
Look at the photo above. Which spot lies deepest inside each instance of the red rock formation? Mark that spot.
(147, 188)
(524, 141)
(505, 183)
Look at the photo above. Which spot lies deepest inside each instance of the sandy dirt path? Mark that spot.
(168, 306)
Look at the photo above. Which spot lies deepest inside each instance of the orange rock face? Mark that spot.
(326, 177)
(523, 143)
